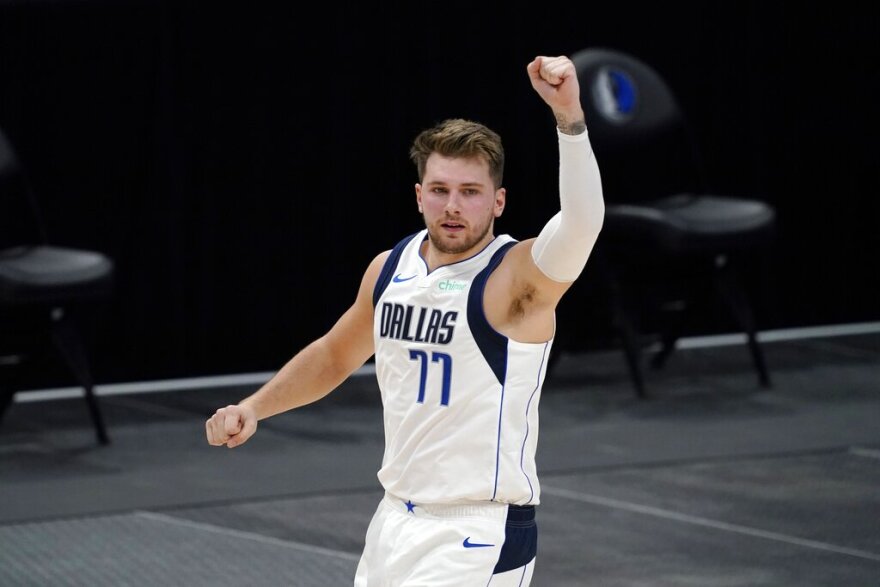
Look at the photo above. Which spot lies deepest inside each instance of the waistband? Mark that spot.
(520, 513)
(489, 509)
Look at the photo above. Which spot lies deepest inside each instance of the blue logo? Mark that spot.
(398, 278)
(468, 544)
(615, 95)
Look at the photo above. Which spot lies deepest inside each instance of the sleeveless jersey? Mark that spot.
(460, 399)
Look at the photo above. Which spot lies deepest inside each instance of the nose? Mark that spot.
(453, 203)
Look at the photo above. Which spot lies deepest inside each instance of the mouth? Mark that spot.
(451, 226)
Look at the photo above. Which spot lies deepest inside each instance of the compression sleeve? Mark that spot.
(564, 244)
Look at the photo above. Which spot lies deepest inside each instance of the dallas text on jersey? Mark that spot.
(432, 325)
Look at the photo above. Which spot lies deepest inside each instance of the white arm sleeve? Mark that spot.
(562, 248)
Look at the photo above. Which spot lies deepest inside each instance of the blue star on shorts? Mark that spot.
(410, 506)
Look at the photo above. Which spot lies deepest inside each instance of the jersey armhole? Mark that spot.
(492, 344)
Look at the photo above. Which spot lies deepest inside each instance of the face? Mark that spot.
(459, 203)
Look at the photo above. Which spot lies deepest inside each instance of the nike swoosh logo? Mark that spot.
(398, 278)
(468, 544)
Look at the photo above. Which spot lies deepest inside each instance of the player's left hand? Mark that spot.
(555, 80)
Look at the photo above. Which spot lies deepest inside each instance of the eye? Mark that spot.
(439, 190)
(471, 192)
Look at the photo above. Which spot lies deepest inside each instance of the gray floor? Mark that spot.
(712, 482)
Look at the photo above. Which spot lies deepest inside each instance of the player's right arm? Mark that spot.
(311, 374)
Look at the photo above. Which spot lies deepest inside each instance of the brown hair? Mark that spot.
(456, 137)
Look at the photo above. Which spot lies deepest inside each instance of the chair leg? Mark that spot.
(70, 347)
(623, 323)
(733, 293)
(10, 381)
(671, 332)
(6, 395)
(667, 341)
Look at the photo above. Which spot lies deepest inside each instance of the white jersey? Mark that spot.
(460, 399)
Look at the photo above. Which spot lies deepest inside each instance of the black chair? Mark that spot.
(667, 240)
(41, 285)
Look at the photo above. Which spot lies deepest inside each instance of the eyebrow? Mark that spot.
(465, 184)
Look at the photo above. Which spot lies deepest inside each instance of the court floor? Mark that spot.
(713, 481)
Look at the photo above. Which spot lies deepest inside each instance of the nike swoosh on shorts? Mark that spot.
(468, 544)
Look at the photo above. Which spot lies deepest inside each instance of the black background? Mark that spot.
(243, 162)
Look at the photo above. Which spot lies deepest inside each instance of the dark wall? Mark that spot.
(243, 163)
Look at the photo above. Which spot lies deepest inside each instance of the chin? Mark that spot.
(449, 246)
(457, 246)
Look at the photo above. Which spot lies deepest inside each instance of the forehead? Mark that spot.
(456, 170)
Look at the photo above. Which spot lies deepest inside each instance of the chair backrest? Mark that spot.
(624, 98)
(20, 218)
(636, 126)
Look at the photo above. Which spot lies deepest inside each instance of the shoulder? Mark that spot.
(518, 255)
(381, 268)
(374, 269)
(389, 256)
(378, 262)
(519, 273)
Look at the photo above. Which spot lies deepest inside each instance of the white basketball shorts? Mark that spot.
(479, 545)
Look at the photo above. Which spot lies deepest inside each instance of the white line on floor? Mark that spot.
(706, 522)
(779, 335)
(864, 452)
(212, 382)
(248, 535)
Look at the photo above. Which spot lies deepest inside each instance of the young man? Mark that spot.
(461, 323)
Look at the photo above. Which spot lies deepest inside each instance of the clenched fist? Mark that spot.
(232, 426)
(555, 79)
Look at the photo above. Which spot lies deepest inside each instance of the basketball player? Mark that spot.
(460, 322)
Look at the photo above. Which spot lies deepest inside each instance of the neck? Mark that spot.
(435, 258)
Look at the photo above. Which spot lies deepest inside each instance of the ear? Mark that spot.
(500, 201)
(418, 187)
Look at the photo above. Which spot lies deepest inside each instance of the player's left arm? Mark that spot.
(553, 260)
(526, 287)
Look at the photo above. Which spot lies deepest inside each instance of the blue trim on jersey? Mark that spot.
(492, 343)
(522, 452)
(389, 267)
(520, 539)
(498, 442)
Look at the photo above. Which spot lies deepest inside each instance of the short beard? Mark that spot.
(461, 246)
